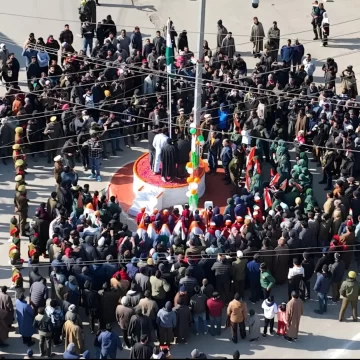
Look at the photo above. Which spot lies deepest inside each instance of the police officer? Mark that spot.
(21, 204)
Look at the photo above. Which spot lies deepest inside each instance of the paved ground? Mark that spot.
(319, 338)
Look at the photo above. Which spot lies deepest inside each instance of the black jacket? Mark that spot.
(91, 299)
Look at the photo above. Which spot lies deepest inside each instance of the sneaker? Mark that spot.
(264, 335)
(288, 339)
(92, 176)
(98, 179)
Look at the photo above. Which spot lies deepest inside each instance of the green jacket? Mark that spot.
(267, 281)
(350, 289)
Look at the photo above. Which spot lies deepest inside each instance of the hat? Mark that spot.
(16, 147)
(14, 231)
(228, 222)
(65, 107)
(22, 188)
(352, 275)
(72, 308)
(57, 158)
(107, 93)
(53, 118)
(150, 261)
(349, 223)
(56, 240)
(239, 218)
(239, 254)
(195, 353)
(134, 260)
(18, 178)
(207, 116)
(263, 265)
(19, 162)
(29, 352)
(19, 130)
(181, 110)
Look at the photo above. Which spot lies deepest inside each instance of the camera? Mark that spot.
(255, 3)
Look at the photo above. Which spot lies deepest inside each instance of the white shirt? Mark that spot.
(159, 142)
(296, 271)
(269, 311)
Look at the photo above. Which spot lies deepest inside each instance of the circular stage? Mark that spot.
(152, 192)
(122, 186)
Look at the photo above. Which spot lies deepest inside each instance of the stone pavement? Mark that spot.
(320, 337)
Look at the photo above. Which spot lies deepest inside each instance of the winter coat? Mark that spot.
(253, 322)
(350, 289)
(323, 283)
(7, 305)
(237, 311)
(337, 271)
(183, 321)
(73, 334)
(25, 318)
(123, 316)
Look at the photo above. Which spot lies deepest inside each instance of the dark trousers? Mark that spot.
(227, 172)
(307, 289)
(234, 327)
(239, 286)
(255, 291)
(126, 338)
(265, 293)
(151, 159)
(129, 133)
(181, 173)
(317, 30)
(327, 178)
(56, 335)
(212, 161)
(27, 340)
(45, 341)
(92, 317)
(336, 291)
(51, 154)
(267, 323)
(223, 287)
(85, 157)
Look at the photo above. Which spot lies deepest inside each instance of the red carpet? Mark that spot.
(142, 168)
(122, 181)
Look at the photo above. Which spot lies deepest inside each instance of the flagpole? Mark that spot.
(169, 105)
(198, 79)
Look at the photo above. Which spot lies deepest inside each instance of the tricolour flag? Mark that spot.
(169, 54)
(267, 199)
(274, 180)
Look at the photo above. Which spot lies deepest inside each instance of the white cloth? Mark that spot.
(296, 271)
(158, 143)
(269, 310)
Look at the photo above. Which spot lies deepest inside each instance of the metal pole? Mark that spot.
(199, 64)
(169, 104)
(198, 79)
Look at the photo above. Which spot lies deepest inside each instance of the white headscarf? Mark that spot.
(325, 19)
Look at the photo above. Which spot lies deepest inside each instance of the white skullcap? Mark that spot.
(239, 254)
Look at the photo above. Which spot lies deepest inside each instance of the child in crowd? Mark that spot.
(281, 317)
(270, 309)
(253, 321)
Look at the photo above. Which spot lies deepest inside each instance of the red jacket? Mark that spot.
(215, 307)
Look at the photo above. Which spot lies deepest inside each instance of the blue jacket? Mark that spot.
(131, 270)
(322, 284)
(166, 319)
(287, 53)
(109, 342)
(25, 318)
(28, 54)
(226, 155)
(223, 118)
(253, 271)
(298, 51)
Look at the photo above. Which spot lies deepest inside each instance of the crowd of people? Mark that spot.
(190, 272)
